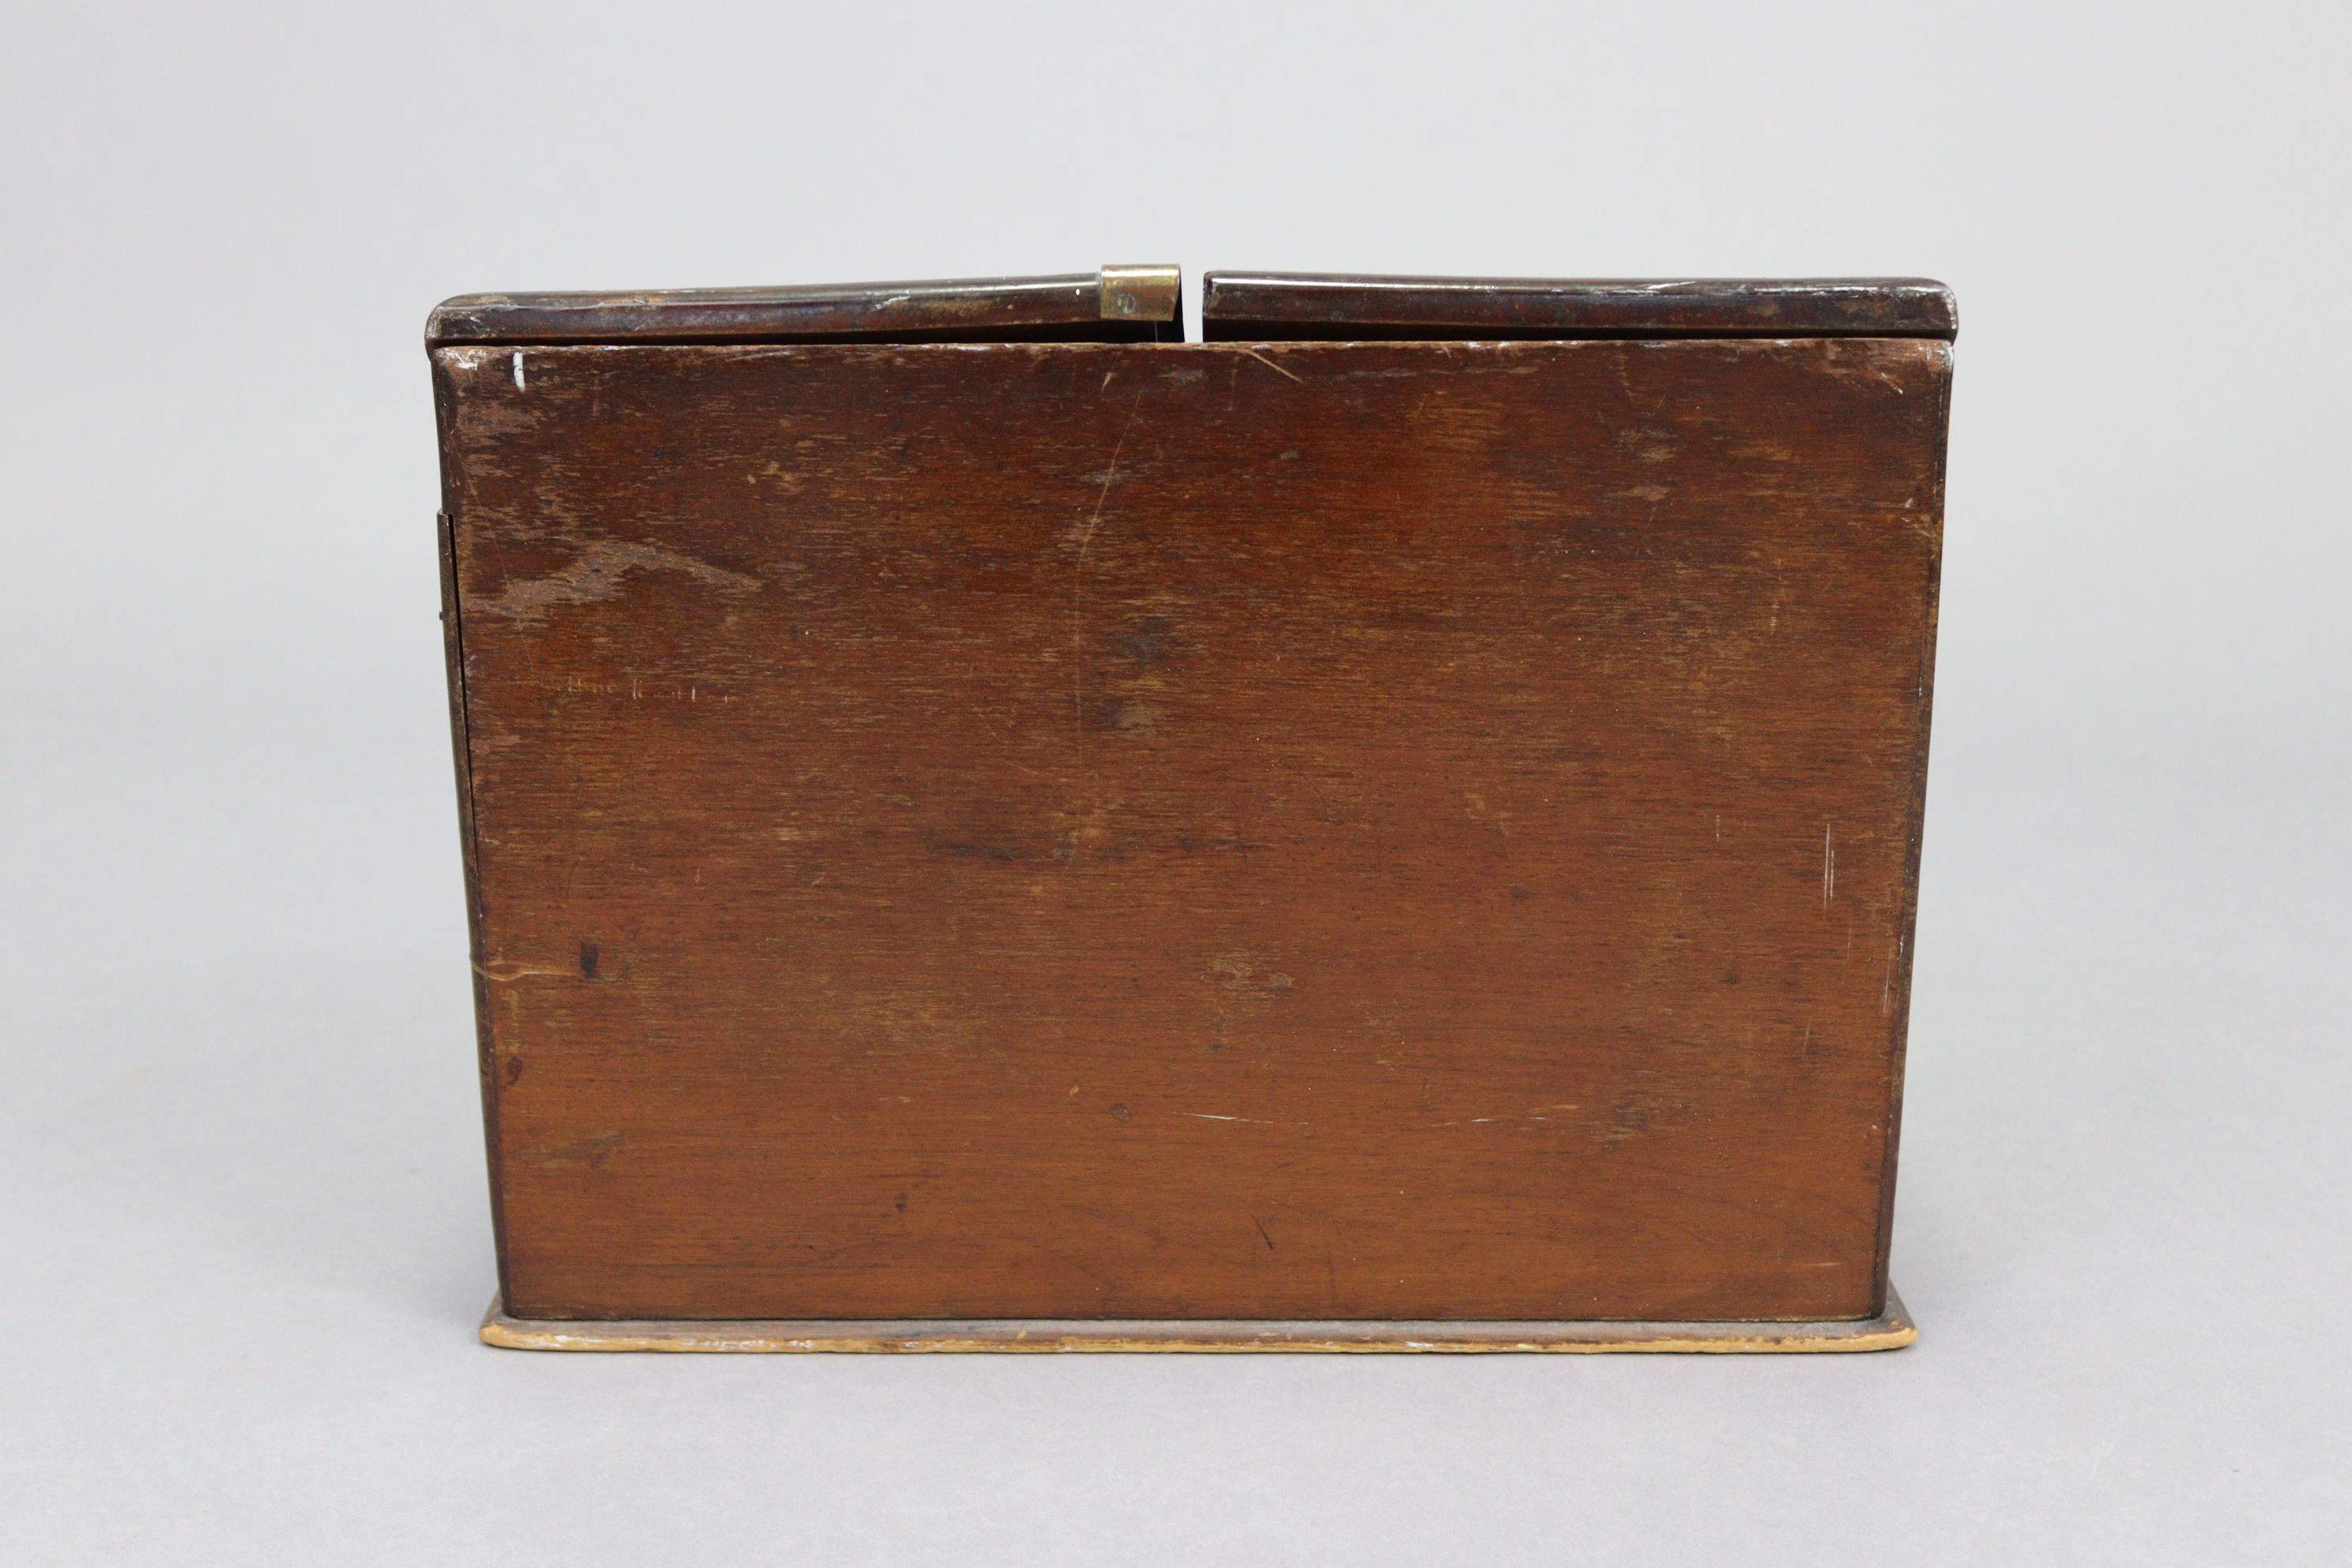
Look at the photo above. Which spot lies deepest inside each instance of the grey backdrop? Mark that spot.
(243, 1225)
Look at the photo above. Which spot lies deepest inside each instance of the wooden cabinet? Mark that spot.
(984, 820)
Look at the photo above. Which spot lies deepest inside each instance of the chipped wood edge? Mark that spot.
(1890, 1330)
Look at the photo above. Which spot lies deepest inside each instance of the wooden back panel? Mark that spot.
(1283, 830)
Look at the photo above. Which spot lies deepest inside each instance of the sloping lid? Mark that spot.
(1265, 306)
(1118, 304)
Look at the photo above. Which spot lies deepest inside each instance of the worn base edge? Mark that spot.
(1890, 1330)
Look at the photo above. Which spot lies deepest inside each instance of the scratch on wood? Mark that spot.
(503, 971)
(1078, 572)
(1252, 1121)
(1274, 367)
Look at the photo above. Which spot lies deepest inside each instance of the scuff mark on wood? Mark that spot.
(597, 575)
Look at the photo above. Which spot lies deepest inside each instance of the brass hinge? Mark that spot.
(1141, 294)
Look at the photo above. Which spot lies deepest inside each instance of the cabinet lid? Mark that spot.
(1275, 306)
(1117, 304)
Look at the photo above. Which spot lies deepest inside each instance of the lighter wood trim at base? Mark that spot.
(1890, 1330)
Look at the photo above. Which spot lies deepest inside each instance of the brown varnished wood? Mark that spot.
(1260, 305)
(1064, 308)
(1306, 831)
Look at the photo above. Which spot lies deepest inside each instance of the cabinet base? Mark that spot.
(1890, 1330)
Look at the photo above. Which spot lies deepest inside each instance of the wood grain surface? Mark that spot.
(1316, 831)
